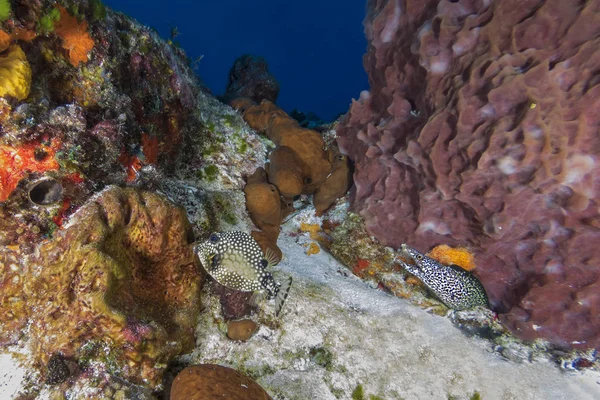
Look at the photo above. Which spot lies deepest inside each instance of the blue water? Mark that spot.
(313, 47)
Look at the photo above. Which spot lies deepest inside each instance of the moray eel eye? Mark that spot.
(213, 238)
(419, 257)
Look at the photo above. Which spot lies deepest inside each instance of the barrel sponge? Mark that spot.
(15, 73)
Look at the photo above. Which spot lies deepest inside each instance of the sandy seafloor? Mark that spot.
(392, 348)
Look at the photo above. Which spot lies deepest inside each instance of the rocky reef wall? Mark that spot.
(113, 160)
(480, 128)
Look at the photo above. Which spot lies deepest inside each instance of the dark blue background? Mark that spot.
(313, 47)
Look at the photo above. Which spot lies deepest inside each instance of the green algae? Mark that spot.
(229, 120)
(321, 356)
(98, 10)
(223, 208)
(47, 21)
(358, 393)
(209, 173)
(240, 143)
(5, 10)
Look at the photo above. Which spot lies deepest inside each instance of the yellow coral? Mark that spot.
(458, 256)
(313, 248)
(15, 73)
(313, 229)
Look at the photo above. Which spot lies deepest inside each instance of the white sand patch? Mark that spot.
(12, 376)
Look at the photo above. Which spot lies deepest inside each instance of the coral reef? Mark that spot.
(17, 162)
(204, 381)
(121, 275)
(479, 130)
(101, 280)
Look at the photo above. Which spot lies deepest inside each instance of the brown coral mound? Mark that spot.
(286, 171)
(121, 274)
(335, 186)
(210, 381)
(480, 129)
(306, 155)
(263, 201)
(299, 164)
(241, 330)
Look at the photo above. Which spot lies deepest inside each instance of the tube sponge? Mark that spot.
(15, 73)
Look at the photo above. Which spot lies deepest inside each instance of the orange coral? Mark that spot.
(313, 229)
(76, 38)
(313, 248)
(360, 266)
(18, 34)
(23, 34)
(15, 162)
(132, 164)
(5, 40)
(458, 256)
(62, 214)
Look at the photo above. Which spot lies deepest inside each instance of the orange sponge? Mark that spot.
(458, 256)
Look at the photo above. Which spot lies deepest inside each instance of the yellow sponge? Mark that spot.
(15, 73)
